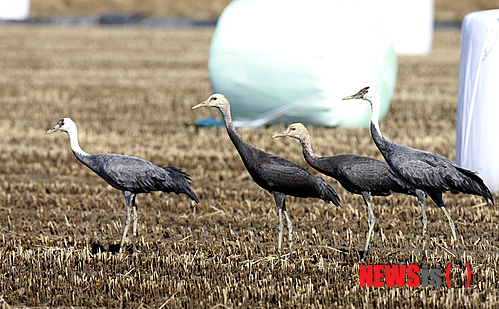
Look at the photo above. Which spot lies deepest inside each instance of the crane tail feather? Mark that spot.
(474, 184)
(330, 194)
(180, 182)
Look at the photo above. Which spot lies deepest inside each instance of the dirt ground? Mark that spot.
(131, 91)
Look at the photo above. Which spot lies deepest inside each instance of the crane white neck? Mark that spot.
(73, 142)
(375, 109)
(382, 143)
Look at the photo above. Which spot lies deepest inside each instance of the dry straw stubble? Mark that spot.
(130, 91)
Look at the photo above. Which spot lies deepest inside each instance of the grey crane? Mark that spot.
(427, 172)
(279, 176)
(129, 174)
(357, 174)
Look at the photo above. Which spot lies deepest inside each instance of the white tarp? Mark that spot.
(14, 9)
(293, 60)
(477, 143)
(410, 23)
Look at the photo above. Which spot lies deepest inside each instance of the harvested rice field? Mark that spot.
(130, 91)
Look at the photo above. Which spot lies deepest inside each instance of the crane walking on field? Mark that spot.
(279, 176)
(427, 172)
(129, 174)
(357, 174)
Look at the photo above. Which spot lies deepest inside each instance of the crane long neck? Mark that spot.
(81, 155)
(379, 140)
(308, 153)
(241, 146)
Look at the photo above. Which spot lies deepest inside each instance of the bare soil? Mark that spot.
(131, 92)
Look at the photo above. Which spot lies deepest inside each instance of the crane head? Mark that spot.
(366, 93)
(295, 130)
(215, 100)
(63, 125)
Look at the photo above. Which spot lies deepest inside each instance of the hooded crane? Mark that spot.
(279, 176)
(426, 172)
(129, 174)
(357, 174)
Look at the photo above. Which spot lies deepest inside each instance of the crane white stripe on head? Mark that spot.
(67, 125)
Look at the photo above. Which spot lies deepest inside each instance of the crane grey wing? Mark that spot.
(281, 175)
(427, 170)
(368, 177)
(359, 174)
(135, 174)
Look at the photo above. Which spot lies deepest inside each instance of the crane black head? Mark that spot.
(295, 130)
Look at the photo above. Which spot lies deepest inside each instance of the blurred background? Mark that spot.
(445, 10)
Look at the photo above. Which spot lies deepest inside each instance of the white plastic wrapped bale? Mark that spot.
(283, 61)
(410, 23)
(477, 143)
(14, 10)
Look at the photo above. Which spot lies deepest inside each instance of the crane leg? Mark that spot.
(280, 227)
(128, 200)
(135, 218)
(280, 202)
(290, 235)
(421, 197)
(370, 222)
(437, 198)
(453, 229)
(451, 223)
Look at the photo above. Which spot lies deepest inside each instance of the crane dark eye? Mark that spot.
(215, 98)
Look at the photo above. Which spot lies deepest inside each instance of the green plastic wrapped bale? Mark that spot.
(293, 61)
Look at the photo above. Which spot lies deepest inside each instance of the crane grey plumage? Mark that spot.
(357, 174)
(425, 171)
(129, 174)
(279, 176)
